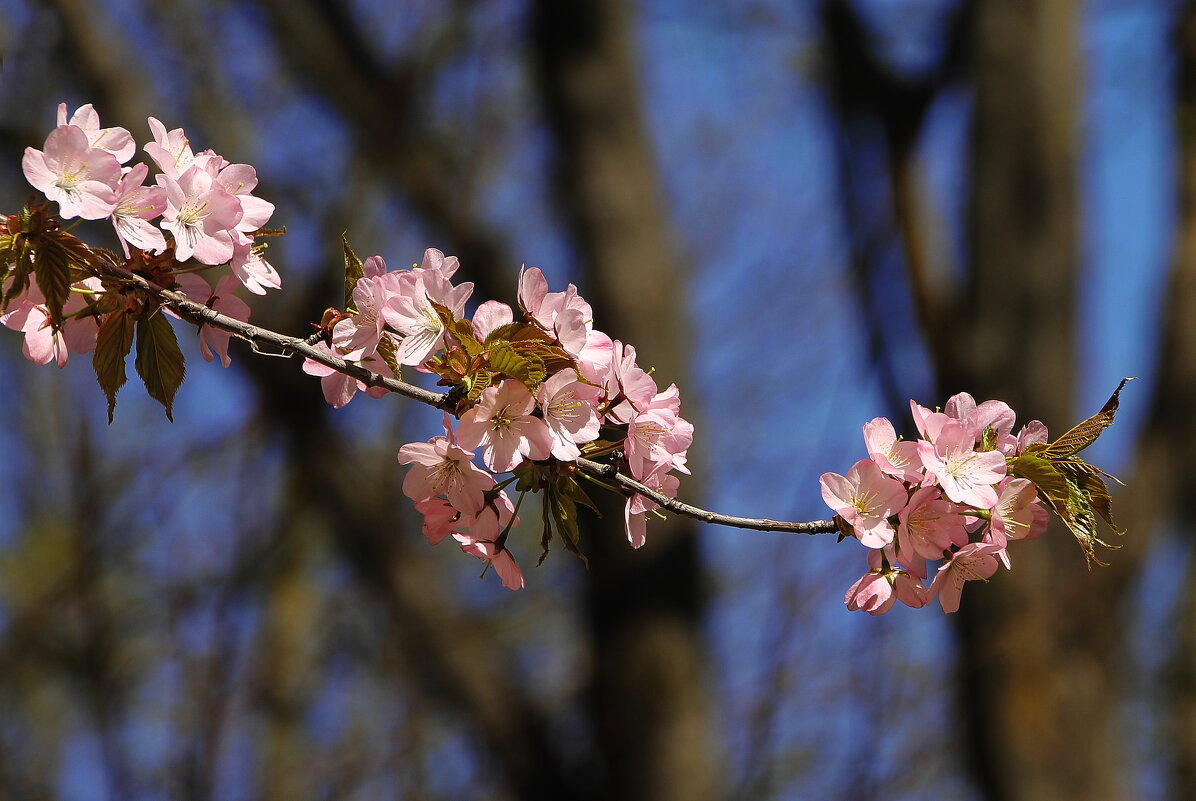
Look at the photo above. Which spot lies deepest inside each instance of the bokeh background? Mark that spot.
(805, 213)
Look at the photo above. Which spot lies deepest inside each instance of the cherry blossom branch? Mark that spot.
(284, 345)
(609, 472)
(258, 337)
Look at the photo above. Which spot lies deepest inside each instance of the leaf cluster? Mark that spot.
(1074, 489)
(33, 245)
(519, 350)
(561, 497)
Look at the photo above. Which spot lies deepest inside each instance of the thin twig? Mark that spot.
(609, 472)
(285, 345)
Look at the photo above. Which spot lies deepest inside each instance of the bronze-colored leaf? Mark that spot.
(52, 266)
(1074, 492)
(1043, 474)
(553, 357)
(18, 269)
(386, 349)
(353, 271)
(159, 360)
(113, 343)
(1097, 493)
(1084, 434)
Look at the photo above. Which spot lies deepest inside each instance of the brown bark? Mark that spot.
(649, 694)
(1039, 659)
(1163, 480)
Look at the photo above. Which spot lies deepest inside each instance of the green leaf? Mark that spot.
(546, 535)
(574, 491)
(988, 439)
(518, 331)
(479, 382)
(460, 330)
(353, 271)
(159, 360)
(505, 359)
(564, 515)
(52, 266)
(113, 343)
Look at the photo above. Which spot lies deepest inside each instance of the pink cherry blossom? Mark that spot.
(928, 422)
(436, 261)
(564, 314)
(117, 141)
(977, 560)
(594, 360)
(1033, 432)
(440, 467)
(966, 475)
(135, 206)
(1038, 525)
(997, 417)
(42, 343)
(488, 524)
(895, 457)
(628, 386)
(358, 335)
(251, 268)
(866, 498)
(568, 408)
(339, 388)
(502, 424)
(499, 558)
(373, 267)
(871, 593)
(439, 518)
(80, 178)
(655, 438)
(409, 311)
(1013, 513)
(29, 315)
(491, 315)
(876, 591)
(171, 151)
(214, 341)
(239, 180)
(909, 590)
(201, 215)
(928, 525)
(636, 510)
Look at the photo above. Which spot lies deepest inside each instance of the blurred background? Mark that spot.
(804, 213)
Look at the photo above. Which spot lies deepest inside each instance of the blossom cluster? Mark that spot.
(538, 387)
(947, 496)
(206, 212)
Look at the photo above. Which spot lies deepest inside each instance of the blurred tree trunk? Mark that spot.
(1038, 689)
(1163, 480)
(649, 694)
